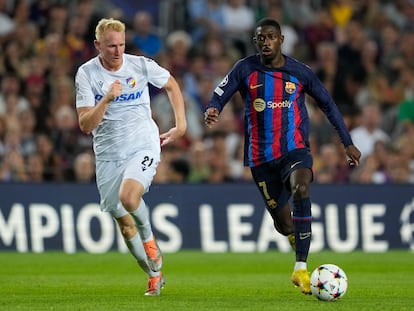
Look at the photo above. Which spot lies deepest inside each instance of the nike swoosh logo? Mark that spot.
(296, 163)
(252, 87)
(304, 235)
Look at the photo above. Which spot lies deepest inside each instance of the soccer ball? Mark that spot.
(328, 282)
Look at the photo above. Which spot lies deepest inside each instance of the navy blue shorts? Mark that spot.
(272, 178)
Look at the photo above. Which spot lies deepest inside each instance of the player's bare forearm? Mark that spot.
(90, 117)
(177, 102)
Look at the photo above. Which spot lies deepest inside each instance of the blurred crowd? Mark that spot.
(363, 51)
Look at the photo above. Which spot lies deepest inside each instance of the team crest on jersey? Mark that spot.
(131, 82)
(290, 87)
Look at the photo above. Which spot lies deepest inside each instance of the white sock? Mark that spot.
(300, 265)
(144, 266)
(137, 250)
(141, 217)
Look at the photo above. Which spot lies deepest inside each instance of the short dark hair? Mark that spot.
(268, 22)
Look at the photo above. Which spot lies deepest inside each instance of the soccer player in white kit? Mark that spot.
(113, 104)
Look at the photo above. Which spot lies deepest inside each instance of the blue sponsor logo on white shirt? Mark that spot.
(122, 97)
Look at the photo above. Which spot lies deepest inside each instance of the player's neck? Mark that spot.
(277, 62)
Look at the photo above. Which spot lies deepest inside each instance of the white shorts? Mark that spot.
(109, 175)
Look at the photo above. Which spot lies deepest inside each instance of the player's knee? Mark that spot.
(130, 194)
(128, 202)
(300, 191)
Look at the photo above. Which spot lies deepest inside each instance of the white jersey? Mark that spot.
(127, 125)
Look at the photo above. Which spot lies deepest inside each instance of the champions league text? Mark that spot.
(226, 218)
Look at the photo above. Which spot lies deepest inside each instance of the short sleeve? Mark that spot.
(84, 93)
(157, 75)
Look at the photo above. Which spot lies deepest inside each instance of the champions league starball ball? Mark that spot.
(328, 282)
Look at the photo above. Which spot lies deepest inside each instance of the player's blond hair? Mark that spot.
(106, 24)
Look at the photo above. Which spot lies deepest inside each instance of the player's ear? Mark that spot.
(255, 43)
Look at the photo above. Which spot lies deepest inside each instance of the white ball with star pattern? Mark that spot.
(328, 282)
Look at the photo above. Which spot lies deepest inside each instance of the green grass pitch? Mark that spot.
(199, 281)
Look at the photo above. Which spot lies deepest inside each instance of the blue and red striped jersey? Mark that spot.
(276, 117)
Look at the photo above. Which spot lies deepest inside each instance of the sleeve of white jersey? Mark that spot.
(84, 93)
(157, 75)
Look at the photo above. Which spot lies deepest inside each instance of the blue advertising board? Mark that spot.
(207, 217)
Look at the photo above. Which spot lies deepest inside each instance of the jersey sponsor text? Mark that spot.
(122, 97)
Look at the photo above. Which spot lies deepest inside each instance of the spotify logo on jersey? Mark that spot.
(259, 104)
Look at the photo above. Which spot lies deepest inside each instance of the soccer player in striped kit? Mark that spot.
(276, 149)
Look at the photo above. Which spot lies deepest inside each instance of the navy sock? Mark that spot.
(302, 221)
